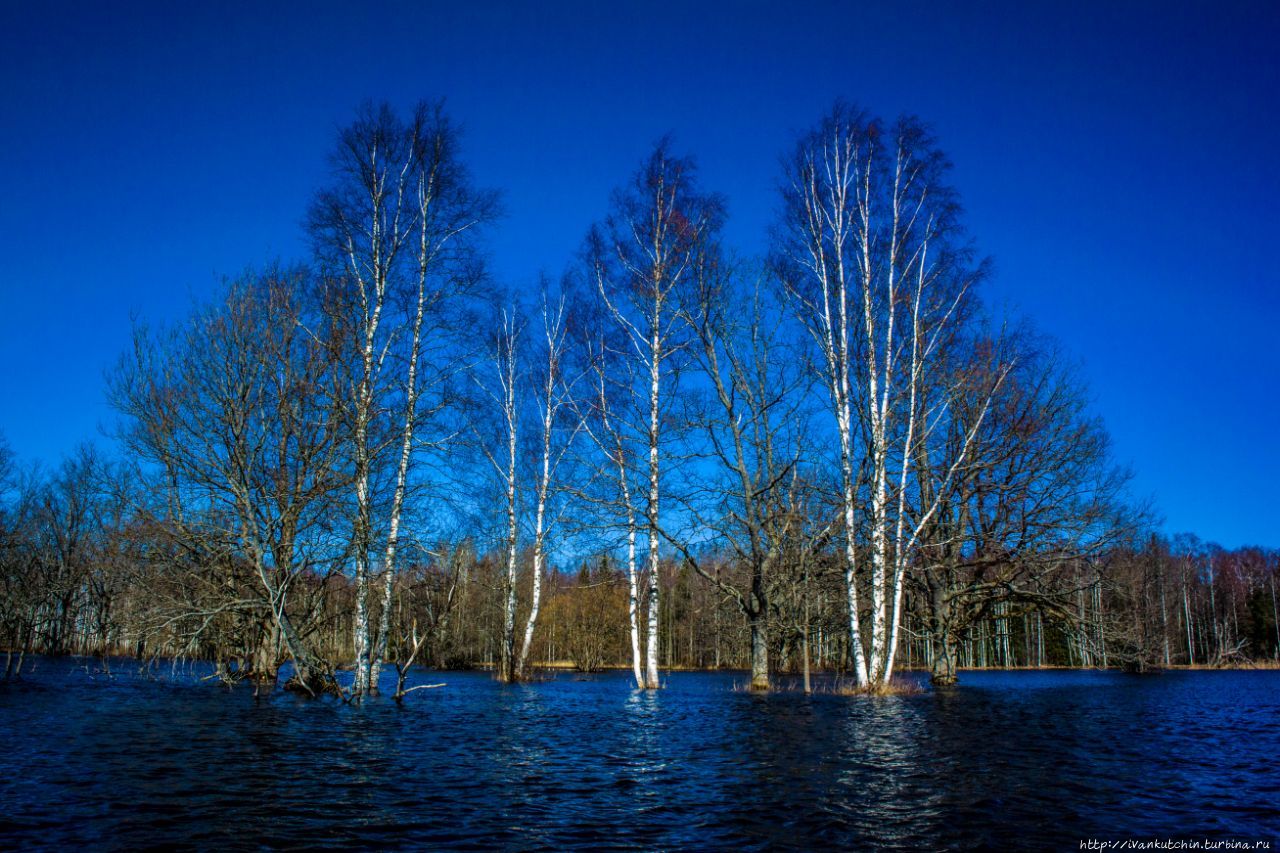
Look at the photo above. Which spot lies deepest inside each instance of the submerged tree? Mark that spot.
(503, 389)
(559, 423)
(234, 414)
(397, 230)
(874, 261)
(818, 463)
(753, 423)
(639, 259)
(1036, 498)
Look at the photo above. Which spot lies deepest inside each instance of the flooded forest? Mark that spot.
(819, 454)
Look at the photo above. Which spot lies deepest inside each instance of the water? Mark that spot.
(1025, 760)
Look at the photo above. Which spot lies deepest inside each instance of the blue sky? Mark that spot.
(1118, 161)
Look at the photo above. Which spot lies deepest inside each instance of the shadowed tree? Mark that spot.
(1036, 497)
(752, 420)
(234, 415)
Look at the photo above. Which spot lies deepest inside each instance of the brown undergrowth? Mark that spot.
(842, 687)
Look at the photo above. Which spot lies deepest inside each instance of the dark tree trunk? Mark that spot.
(266, 658)
(944, 663)
(311, 675)
(759, 653)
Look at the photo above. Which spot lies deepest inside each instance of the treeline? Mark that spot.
(825, 454)
(75, 585)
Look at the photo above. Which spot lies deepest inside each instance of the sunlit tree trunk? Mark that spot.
(651, 512)
(535, 598)
(508, 471)
(864, 207)
(553, 398)
(406, 441)
(633, 595)
(610, 440)
(394, 180)
(639, 259)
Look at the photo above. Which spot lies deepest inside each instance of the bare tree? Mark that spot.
(233, 413)
(753, 423)
(428, 593)
(397, 229)
(1035, 498)
(503, 389)
(559, 423)
(610, 377)
(869, 254)
(639, 259)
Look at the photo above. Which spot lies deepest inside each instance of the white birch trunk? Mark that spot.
(389, 557)
(544, 482)
(877, 416)
(633, 583)
(363, 518)
(851, 579)
(402, 476)
(509, 611)
(826, 207)
(654, 250)
(908, 451)
(616, 451)
(426, 196)
(651, 651)
(555, 393)
(361, 628)
(506, 469)
(507, 663)
(364, 412)
(535, 602)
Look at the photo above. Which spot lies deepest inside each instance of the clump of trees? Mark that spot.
(822, 455)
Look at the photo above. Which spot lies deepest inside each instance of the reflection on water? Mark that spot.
(1008, 760)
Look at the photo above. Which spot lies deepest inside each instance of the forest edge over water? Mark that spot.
(824, 454)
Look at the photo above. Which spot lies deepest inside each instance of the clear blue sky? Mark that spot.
(1118, 160)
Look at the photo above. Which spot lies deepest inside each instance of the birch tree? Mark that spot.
(398, 228)
(522, 381)
(604, 426)
(559, 423)
(871, 255)
(502, 388)
(639, 258)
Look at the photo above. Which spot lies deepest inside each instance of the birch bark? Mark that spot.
(639, 261)
(863, 205)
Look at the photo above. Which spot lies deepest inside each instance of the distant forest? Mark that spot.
(824, 453)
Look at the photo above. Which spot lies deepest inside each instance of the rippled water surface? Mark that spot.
(1025, 760)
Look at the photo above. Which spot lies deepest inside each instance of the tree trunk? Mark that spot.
(266, 659)
(534, 602)
(311, 674)
(1275, 615)
(379, 647)
(1186, 610)
(507, 659)
(651, 681)
(944, 663)
(805, 642)
(633, 600)
(760, 653)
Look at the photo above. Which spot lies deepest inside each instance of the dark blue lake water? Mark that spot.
(1023, 760)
